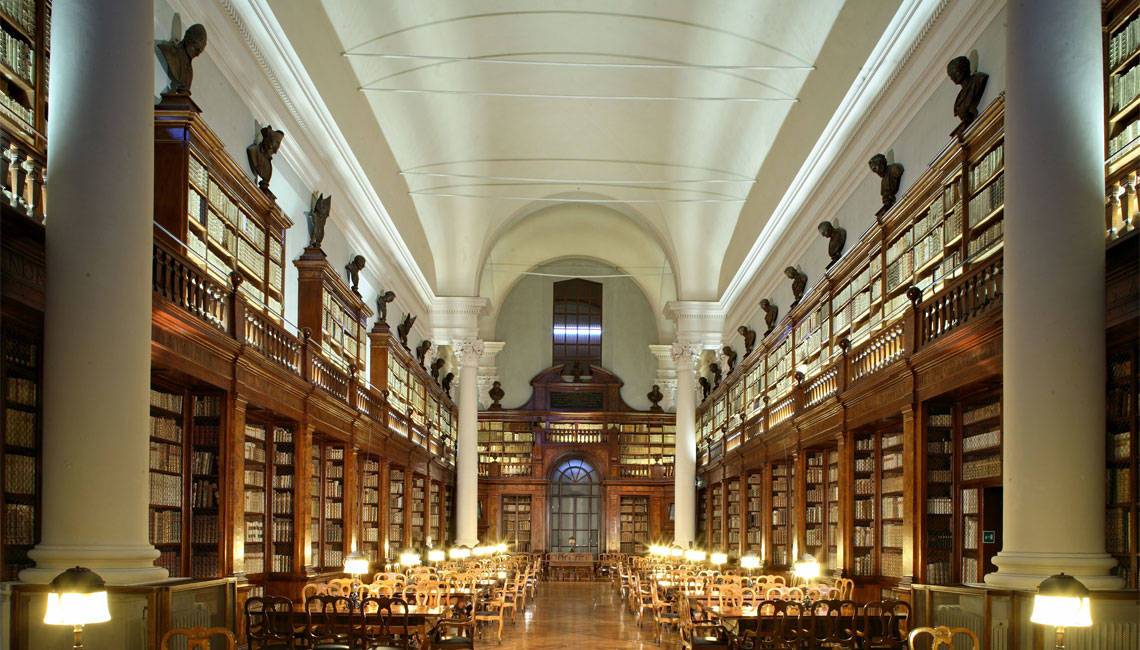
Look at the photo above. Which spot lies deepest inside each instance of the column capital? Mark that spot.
(457, 317)
(701, 321)
(468, 351)
(686, 355)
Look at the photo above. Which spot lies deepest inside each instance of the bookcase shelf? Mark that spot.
(419, 504)
(517, 521)
(24, 46)
(891, 523)
(783, 521)
(818, 518)
(834, 533)
(938, 510)
(505, 448)
(732, 515)
(634, 523)
(370, 507)
(1122, 501)
(435, 502)
(641, 446)
(754, 535)
(328, 513)
(703, 516)
(256, 510)
(396, 485)
(716, 520)
(20, 472)
(864, 500)
(167, 442)
(205, 487)
(269, 496)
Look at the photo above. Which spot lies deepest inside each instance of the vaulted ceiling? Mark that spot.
(585, 124)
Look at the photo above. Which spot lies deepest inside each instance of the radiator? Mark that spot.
(955, 616)
(1105, 636)
(198, 616)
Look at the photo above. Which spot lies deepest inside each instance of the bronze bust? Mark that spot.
(771, 312)
(496, 394)
(706, 388)
(973, 85)
(422, 350)
(261, 154)
(654, 396)
(404, 328)
(891, 174)
(447, 379)
(799, 283)
(714, 368)
(436, 367)
(353, 268)
(749, 335)
(729, 357)
(177, 58)
(382, 302)
(319, 215)
(836, 240)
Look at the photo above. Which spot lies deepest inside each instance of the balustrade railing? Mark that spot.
(781, 410)
(878, 352)
(188, 287)
(269, 338)
(22, 179)
(328, 377)
(821, 387)
(963, 300)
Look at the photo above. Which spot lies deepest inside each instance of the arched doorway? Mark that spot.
(575, 500)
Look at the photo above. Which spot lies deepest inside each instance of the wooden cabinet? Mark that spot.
(20, 473)
(25, 32)
(334, 315)
(1121, 457)
(418, 408)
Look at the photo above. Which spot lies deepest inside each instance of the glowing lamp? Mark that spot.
(750, 562)
(409, 558)
(677, 551)
(695, 555)
(718, 558)
(500, 548)
(459, 553)
(355, 564)
(437, 555)
(807, 568)
(1062, 601)
(77, 597)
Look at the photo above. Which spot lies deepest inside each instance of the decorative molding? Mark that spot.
(686, 355)
(901, 73)
(699, 321)
(467, 352)
(457, 317)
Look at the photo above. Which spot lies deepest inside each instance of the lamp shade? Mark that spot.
(459, 553)
(677, 551)
(355, 564)
(500, 548)
(718, 558)
(694, 555)
(409, 558)
(77, 597)
(1062, 601)
(807, 568)
(750, 562)
(436, 555)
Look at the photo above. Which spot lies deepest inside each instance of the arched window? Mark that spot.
(574, 507)
(577, 324)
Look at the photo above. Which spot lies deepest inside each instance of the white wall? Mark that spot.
(916, 147)
(525, 322)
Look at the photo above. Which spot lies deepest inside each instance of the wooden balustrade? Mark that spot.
(782, 410)
(878, 352)
(370, 402)
(22, 179)
(266, 336)
(186, 286)
(963, 300)
(327, 376)
(822, 386)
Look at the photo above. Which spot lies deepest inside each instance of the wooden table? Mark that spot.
(566, 566)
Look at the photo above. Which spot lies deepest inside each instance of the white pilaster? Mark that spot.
(1053, 310)
(666, 377)
(685, 356)
(467, 352)
(98, 300)
(488, 372)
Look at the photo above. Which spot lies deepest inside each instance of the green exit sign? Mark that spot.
(989, 537)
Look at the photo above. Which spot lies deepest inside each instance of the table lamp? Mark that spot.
(750, 562)
(718, 558)
(807, 569)
(436, 555)
(409, 558)
(459, 553)
(1062, 601)
(77, 597)
(695, 555)
(676, 551)
(355, 564)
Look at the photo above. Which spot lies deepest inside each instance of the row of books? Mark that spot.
(20, 428)
(940, 506)
(204, 493)
(989, 237)
(204, 565)
(19, 524)
(1123, 88)
(991, 410)
(334, 489)
(255, 477)
(21, 391)
(204, 462)
(23, 12)
(255, 531)
(165, 526)
(282, 503)
(165, 428)
(989, 199)
(892, 460)
(864, 536)
(165, 490)
(988, 467)
(334, 470)
(334, 532)
(283, 434)
(18, 56)
(283, 481)
(165, 457)
(970, 533)
(205, 435)
(283, 457)
(19, 474)
(166, 401)
(171, 561)
(204, 529)
(986, 168)
(864, 509)
(207, 406)
(1124, 42)
(890, 564)
(1124, 137)
(254, 502)
(1118, 530)
(1120, 485)
(254, 452)
(334, 510)
(985, 440)
(892, 507)
(1121, 446)
(892, 535)
(282, 530)
(864, 486)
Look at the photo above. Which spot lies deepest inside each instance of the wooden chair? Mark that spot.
(341, 587)
(730, 595)
(846, 587)
(454, 632)
(383, 624)
(664, 612)
(793, 593)
(270, 623)
(834, 624)
(321, 629)
(778, 628)
(704, 632)
(489, 609)
(774, 592)
(641, 599)
(199, 637)
(884, 625)
(313, 589)
(942, 636)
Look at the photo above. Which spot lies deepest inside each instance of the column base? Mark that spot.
(117, 565)
(470, 543)
(1026, 570)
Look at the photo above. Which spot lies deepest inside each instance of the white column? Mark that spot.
(488, 371)
(685, 355)
(666, 377)
(467, 352)
(1053, 357)
(98, 300)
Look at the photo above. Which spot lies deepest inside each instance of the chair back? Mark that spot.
(198, 637)
(384, 622)
(885, 621)
(268, 619)
(340, 587)
(846, 587)
(313, 589)
(320, 618)
(730, 595)
(942, 636)
(779, 625)
(834, 624)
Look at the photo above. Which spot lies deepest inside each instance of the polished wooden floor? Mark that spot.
(576, 616)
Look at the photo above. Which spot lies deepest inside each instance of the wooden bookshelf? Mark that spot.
(732, 514)
(634, 524)
(716, 518)
(939, 501)
(517, 522)
(316, 505)
(206, 426)
(754, 532)
(25, 32)
(643, 447)
(337, 317)
(979, 452)
(891, 516)
(783, 500)
(505, 448)
(396, 512)
(22, 437)
(370, 507)
(704, 507)
(816, 506)
(864, 499)
(448, 509)
(435, 503)
(281, 507)
(834, 530)
(256, 510)
(167, 444)
(1121, 459)
(419, 510)
(329, 506)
